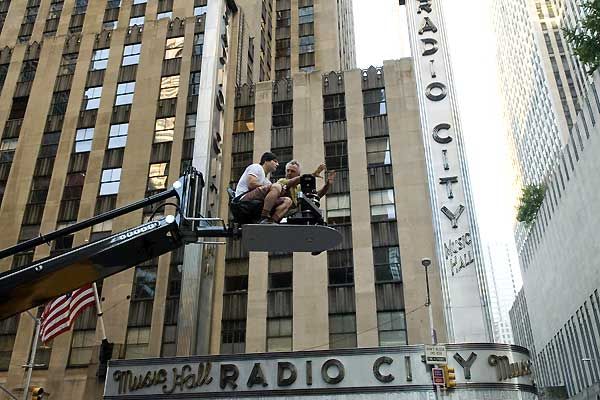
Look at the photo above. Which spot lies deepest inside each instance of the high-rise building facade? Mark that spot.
(556, 313)
(108, 102)
(503, 281)
(526, 94)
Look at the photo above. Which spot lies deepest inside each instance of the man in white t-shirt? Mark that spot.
(254, 185)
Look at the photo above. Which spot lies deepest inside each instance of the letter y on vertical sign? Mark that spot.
(453, 216)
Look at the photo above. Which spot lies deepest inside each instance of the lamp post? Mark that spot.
(426, 262)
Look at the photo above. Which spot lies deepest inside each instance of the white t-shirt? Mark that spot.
(253, 169)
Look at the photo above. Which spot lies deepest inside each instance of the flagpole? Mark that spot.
(30, 365)
(99, 311)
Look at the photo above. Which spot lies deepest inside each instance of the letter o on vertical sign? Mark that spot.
(325, 371)
(436, 97)
(436, 133)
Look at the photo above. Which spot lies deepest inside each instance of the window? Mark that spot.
(8, 144)
(282, 47)
(282, 114)
(279, 334)
(336, 155)
(340, 267)
(164, 129)
(99, 59)
(58, 105)
(378, 151)
(157, 177)
(109, 25)
(83, 140)
(200, 10)
(140, 1)
(386, 261)
(67, 64)
(283, 18)
(136, 21)
(280, 272)
(306, 15)
(162, 15)
(198, 44)
(382, 205)
(334, 106)
(174, 48)
(82, 346)
(338, 208)
(374, 102)
(131, 54)
(244, 119)
(233, 336)
(137, 342)
(194, 86)
(125, 93)
(117, 136)
(144, 283)
(169, 86)
(392, 328)
(91, 98)
(342, 331)
(109, 184)
(307, 44)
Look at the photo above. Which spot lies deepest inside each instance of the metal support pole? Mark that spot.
(30, 365)
(426, 262)
(430, 311)
(99, 311)
(8, 393)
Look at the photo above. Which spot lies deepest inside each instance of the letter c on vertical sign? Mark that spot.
(377, 365)
(431, 50)
(325, 371)
(436, 133)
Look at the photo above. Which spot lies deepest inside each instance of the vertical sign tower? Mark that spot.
(457, 239)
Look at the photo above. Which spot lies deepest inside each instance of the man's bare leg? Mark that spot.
(270, 200)
(282, 209)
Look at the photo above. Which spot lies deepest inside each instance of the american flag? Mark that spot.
(60, 313)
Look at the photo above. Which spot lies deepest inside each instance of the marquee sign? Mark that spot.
(467, 314)
(402, 368)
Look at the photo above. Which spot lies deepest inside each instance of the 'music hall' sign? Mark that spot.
(402, 369)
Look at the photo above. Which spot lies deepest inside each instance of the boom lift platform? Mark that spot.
(43, 280)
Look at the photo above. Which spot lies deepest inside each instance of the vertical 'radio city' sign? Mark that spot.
(461, 270)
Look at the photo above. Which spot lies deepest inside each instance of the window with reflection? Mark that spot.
(174, 48)
(157, 176)
(374, 103)
(117, 136)
(382, 205)
(164, 129)
(386, 261)
(378, 151)
(169, 87)
(131, 54)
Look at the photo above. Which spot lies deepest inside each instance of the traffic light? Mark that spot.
(37, 393)
(449, 377)
(105, 354)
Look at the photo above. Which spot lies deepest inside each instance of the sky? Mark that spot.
(381, 34)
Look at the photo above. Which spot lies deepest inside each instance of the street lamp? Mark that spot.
(426, 262)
